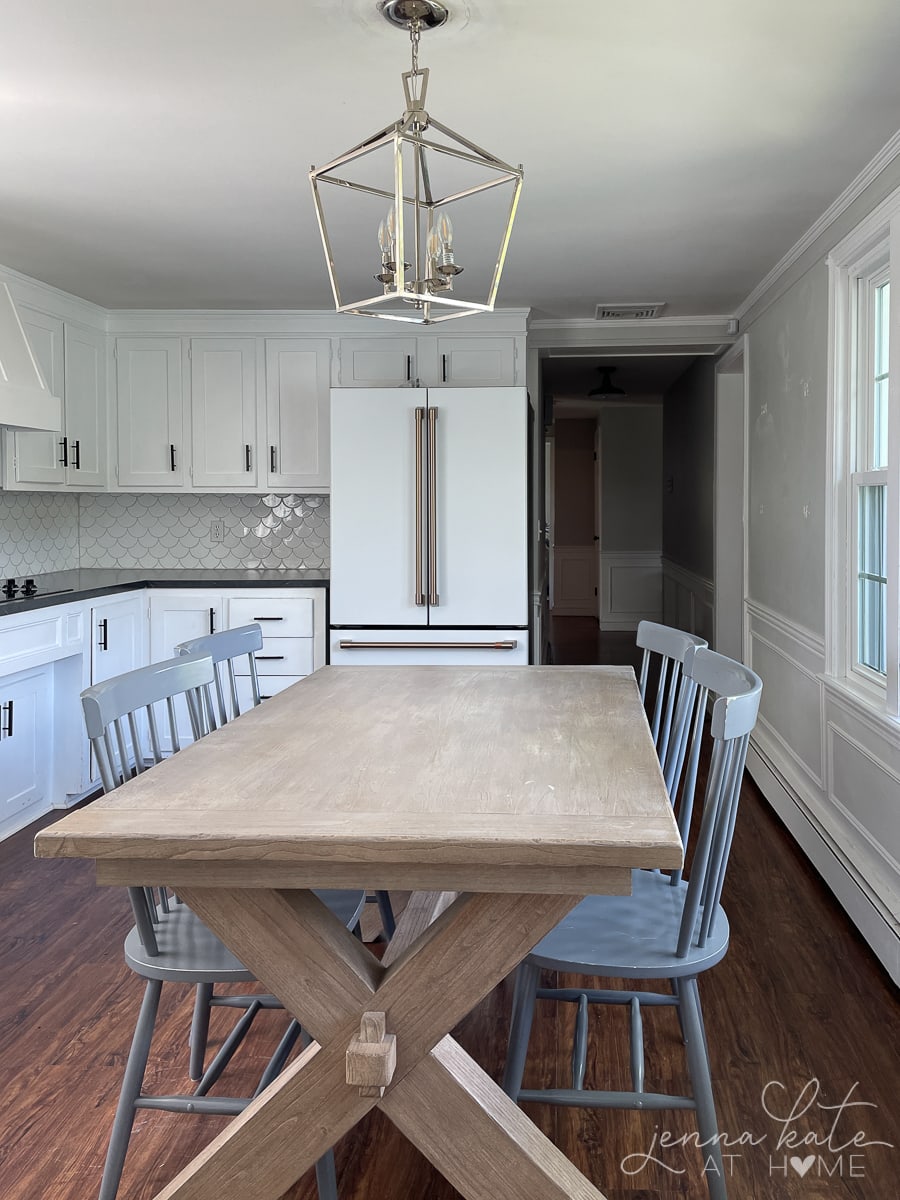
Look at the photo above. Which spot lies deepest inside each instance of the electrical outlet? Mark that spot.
(217, 531)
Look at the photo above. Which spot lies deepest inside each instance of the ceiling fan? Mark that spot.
(606, 387)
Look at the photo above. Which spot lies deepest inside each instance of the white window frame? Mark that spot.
(870, 252)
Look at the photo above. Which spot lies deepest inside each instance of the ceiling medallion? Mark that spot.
(446, 197)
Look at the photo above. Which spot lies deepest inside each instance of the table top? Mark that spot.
(498, 778)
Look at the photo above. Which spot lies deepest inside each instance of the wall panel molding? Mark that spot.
(630, 589)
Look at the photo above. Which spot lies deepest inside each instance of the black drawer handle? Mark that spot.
(268, 618)
(7, 729)
(103, 630)
(269, 657)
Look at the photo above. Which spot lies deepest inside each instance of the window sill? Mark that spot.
(866, 702)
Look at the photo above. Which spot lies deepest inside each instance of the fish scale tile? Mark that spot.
(38, 533)
(281, 531)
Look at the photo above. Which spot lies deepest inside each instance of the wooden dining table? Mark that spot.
(500, 795)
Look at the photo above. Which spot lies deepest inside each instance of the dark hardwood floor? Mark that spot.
(799, 1016)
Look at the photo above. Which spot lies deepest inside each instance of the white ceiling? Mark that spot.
(156, 155)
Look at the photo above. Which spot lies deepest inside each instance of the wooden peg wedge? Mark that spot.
(372, 1057)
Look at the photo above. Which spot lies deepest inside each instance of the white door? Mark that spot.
(41, 457)
(25, 756)
(150, 412)
(477, 361)
(297, 413)
(223, 408)
(177, 617)
(117, 646)
(86, 407)
(373, 506)
(377, 362)
(481, 502)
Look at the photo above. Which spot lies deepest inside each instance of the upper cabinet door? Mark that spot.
(298, 414)
(223, 407)
(377, 362)
(85, 407)
(39, 457)
(150, 411)
(476, 361)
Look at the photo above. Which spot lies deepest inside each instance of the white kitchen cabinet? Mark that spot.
(293, 625)
(223, 413)
(25, 742)
(428, 360)
(73, 363)
(118, 635)
(298, 379)
(150, 444)
(377, 362)
(476, 361)
(118, 638)
(85, 408)
(181, 614)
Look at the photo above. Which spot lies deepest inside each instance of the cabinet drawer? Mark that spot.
(269, 685)
(280, 656)
(282, 618)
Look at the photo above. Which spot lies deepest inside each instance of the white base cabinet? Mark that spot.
(25, 719)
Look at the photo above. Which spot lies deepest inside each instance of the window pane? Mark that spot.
(880, 397)
(872, 577)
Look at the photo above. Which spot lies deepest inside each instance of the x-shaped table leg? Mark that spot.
(439, 1098)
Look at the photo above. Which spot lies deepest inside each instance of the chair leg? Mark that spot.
(676, 992)
(701, 1085)
(326, 1179)
(200, 1029)
(524, 997)
(386, 910)
(131, 1089)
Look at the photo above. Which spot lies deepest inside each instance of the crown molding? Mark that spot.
(870, 172)
(53, 301)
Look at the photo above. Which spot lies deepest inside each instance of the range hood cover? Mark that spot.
(25, 400)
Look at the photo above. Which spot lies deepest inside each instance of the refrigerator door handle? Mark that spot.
(350, 644)
(433, 597)
(420, 598)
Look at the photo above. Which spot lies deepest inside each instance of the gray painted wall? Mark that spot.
(788, 358)
(631, 477)
(574, 466)
(689, 469)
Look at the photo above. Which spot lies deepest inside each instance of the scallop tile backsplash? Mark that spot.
(51, 532)
(38, 533)
(174, 531)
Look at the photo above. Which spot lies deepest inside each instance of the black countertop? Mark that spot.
(65, 587)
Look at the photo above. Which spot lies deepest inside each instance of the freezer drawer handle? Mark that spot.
(349, 644)
(433, 597)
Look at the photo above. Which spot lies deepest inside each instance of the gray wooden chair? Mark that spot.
(670, 928)
(225, 648)
(664, 653)
(168, 943)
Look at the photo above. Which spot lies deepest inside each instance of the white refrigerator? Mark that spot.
(429, 526)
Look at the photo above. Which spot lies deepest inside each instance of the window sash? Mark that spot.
(870, 599)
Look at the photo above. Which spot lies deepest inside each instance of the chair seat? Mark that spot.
(630, 937)
(191, 953)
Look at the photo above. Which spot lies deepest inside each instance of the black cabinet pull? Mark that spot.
(262, 697)
(268, 618)
(247, 457)
(273, 460)
(443, 368)
(408, 367)
(212, 620)
(269, 657)
(76, 447)
(64, 445)
(103, 640)
(171, 456)
(7, 728)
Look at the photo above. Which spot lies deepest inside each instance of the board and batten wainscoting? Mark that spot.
(688, 600)
(631, 588)
(830, 768)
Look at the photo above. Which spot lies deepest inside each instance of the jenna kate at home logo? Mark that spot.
(812, 1138)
